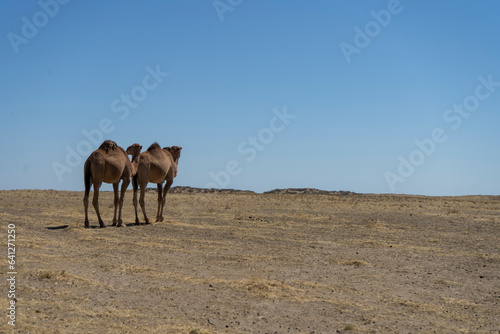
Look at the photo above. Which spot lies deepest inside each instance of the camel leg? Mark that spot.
(134, 200)
(116, 200)
(95, 203)
(125, 184)
(160, 199)
(165, 190)
(86, 206)
(142, 203)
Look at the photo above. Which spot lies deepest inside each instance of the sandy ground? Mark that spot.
(255, 263)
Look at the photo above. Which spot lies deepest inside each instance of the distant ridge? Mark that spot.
(309, 191)
(298, 191)
(187, 190)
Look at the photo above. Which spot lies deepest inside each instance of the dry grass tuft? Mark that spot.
(50, 274)
(349, 327)
(264, 288)
(354, 263)
(452, 211)
(357, 263)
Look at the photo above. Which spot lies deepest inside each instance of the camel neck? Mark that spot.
(135, 161)
(175, 157)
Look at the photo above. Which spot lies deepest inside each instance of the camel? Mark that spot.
(109, 164)
(155, 165)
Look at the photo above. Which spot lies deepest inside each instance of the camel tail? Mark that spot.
(87, 176)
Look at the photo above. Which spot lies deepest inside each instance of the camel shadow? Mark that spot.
(62, 227)
(134, 224)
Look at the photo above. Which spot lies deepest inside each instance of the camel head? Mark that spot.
(175, 151)
(134, 150)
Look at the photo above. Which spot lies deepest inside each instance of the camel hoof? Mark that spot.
(102, 226)
(87, 226)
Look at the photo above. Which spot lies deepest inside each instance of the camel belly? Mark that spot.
(157, 173)
(112, 174)
(112, 179)
(157, 178)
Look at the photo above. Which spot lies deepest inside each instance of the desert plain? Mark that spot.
(241, 262)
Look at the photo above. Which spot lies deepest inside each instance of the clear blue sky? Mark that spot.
(373, 97)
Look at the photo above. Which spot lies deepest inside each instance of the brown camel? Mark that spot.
(110, 164)
(155, 165)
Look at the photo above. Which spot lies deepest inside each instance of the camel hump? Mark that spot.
(108, 145)
(154, 146)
